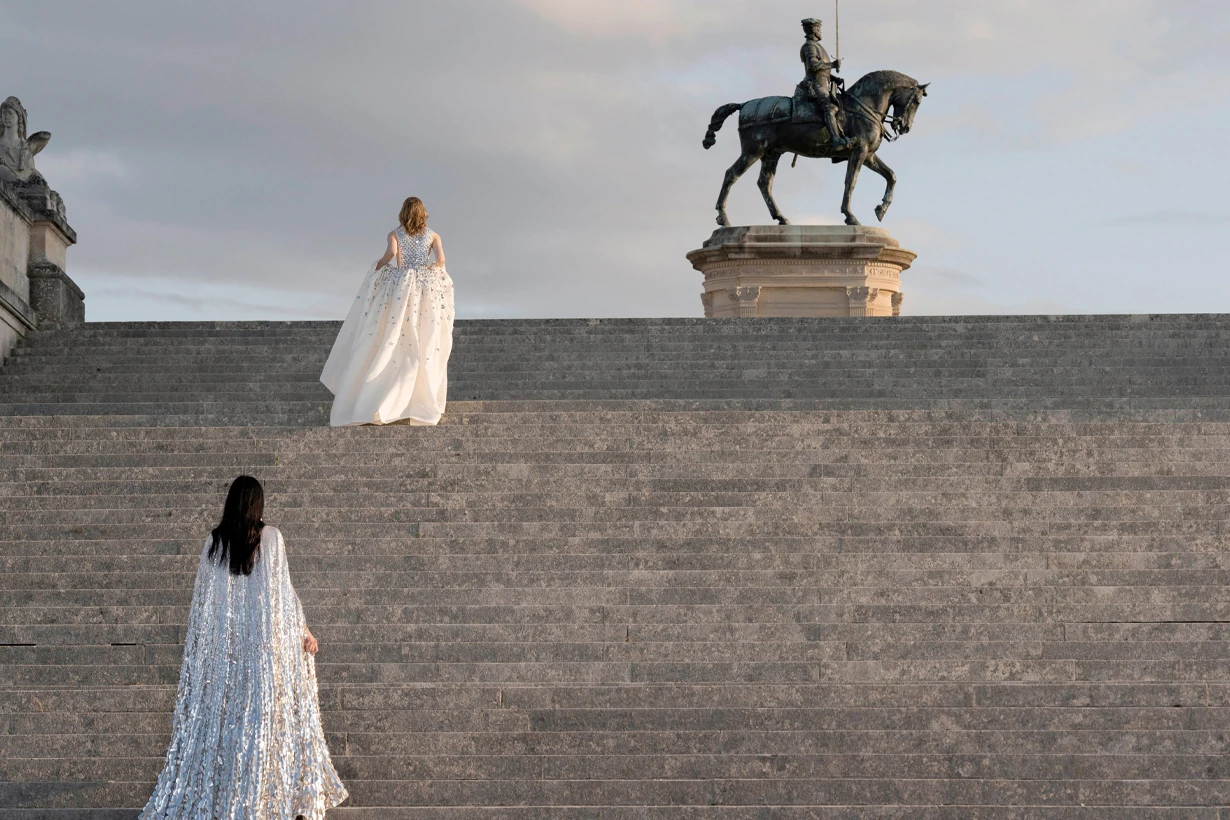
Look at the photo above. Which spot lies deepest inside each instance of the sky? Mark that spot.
(244, 159)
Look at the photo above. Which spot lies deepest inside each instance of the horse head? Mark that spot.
(891, 93)
(905, 105)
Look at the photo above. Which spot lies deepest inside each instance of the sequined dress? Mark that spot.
(390, 360)
(246, 741)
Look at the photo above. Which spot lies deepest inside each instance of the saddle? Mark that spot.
(804, 109)
(799, 110)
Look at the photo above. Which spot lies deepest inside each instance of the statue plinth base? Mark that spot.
(801, 270)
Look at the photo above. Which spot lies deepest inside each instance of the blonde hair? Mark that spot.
(413, 216)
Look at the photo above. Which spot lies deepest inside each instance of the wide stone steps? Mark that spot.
(754, 792)
(755, 570)
(266, 372)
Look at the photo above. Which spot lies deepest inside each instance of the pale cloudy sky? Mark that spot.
(244, 159)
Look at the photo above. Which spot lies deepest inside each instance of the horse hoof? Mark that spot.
(722, 221)
(880, 211)
(850, 220)
(781, 220)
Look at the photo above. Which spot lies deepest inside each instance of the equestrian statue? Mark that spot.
(821, 120)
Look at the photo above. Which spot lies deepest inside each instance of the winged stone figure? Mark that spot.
(17, 151)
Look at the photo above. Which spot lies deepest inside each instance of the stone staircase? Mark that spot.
(652, 569)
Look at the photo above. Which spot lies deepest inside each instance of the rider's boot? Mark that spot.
(838, 139)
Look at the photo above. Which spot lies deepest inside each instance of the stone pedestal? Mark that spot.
(16, 316)
(35, 236)
(801, 270)
(35, 290)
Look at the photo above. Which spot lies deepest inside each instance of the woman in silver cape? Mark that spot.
(247, 742)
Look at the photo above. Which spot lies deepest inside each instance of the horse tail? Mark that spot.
(715, 124)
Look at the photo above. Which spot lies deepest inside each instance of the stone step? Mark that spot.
(871, 460)
(707, 654)
(1163, 641)
(773, 719)
(73, 574)
(56, 609)
(721, 352)
(1041, 811)
(753, 792)
(250, 396)
(807, 333)
(315, 414)
(143, 673)
(187, 381)
(920, 535)
(1194, 410)
(917, 695)
(601, 500)
(801, 741)
(811, 336)
(670, 767)
(871, 560)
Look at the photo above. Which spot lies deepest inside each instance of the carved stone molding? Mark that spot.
(897, 299)
(745, 298)
(861, 299)
(706, 301)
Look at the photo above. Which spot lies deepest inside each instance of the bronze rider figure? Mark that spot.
(817, 85)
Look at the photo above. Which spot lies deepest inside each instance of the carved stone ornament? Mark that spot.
(16, 149)
(745, 297)
(861, 300)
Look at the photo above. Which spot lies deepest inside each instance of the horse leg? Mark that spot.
(853, 165)
(768, 169)
(732, 176)
(876, 164)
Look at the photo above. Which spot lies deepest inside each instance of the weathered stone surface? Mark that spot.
(16, 316)
(54, 297)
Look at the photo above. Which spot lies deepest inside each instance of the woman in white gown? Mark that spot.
(390, 360)
(246, 740)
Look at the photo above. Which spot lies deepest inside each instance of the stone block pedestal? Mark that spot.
(801, 270)
(35, 291)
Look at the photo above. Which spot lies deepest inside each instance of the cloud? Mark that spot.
(557, 142)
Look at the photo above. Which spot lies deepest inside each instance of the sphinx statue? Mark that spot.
(17, 152)
(16, 149)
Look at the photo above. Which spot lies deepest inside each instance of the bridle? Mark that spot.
(887, 122)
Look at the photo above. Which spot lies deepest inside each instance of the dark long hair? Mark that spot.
(238, 537)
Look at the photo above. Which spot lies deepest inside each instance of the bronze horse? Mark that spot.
(767, 132)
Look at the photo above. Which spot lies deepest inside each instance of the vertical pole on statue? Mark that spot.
(837, 21)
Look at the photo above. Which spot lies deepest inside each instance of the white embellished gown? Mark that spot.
(246, 740)
(390, 360)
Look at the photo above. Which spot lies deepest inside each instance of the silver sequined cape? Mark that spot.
(246, 742)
